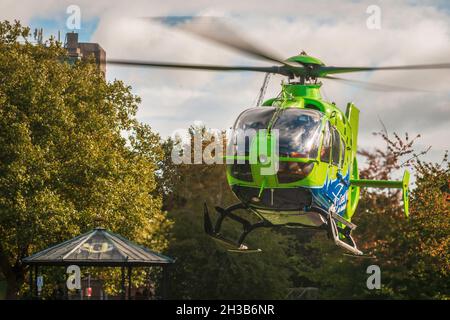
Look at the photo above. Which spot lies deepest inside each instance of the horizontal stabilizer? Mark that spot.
(395, 184)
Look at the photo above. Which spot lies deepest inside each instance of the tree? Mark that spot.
(413, 254)
(204, 270)
(64, 163)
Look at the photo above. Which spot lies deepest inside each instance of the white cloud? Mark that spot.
(334, 31)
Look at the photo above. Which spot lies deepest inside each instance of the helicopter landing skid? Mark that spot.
(335, 232)
(214, 231)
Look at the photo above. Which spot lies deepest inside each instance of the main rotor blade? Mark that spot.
(373, 86)
(215, 30)
(139, 63)
(323, 71)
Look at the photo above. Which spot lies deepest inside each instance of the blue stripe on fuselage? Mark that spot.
(332, 192)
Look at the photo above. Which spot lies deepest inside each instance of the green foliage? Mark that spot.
(203, 269)
(413, 254)
(65, 166)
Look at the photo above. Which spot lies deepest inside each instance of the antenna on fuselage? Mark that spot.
(263, 89)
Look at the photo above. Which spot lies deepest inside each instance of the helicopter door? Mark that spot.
(336, 188)
(325, 156)
(325, 152)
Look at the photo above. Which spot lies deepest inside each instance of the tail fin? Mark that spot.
(405, 192)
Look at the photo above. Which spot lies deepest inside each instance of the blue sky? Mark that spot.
(52, 25)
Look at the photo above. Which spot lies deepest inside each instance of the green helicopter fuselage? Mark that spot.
(303, 162)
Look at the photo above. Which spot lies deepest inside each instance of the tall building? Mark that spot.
(79, 50)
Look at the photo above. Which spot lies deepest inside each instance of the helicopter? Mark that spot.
(312, 142)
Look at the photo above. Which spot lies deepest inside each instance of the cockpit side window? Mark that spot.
(246, 127)
(326, 144)
(254, 118)
(336, 147)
